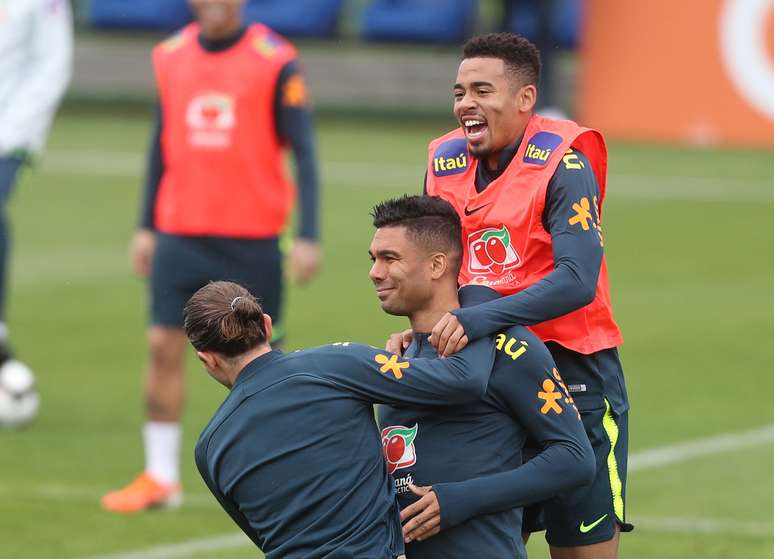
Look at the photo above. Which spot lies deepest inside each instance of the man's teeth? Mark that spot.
(470, 123)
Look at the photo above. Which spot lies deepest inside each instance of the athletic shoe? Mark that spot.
(143, 493)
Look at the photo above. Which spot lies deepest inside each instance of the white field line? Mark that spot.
(643, 460)
(691, 526)
(188, 548)
(711, 526)
(682, 452)
(370, 175)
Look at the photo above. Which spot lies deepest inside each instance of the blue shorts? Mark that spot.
(183, 264)
(590, 514)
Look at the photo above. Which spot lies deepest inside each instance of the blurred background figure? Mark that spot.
(231, 97)
(551, 25)
(36, 46)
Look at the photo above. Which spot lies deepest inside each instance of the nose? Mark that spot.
(466, 103)
(377, 272)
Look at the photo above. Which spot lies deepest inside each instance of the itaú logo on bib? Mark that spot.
(490, 250)
(540, 147)
(451, 158)
(398, 446)
(210, 118)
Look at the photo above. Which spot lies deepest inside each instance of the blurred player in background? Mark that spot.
(36, 47)
(468, 457)
(293, 454)
(216, 202)
(529, 192)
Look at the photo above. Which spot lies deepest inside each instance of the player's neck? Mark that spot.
(424, 319)
(244, 359)
(222, 33)
(492, 161)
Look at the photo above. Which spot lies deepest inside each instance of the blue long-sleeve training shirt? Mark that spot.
(472, 454)
(294, 456)
(294, 126)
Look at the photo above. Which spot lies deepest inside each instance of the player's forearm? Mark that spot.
(572, 285)
(557, 294)
(384, 378)
(308, 183)
(459, 379)
(561, 466)
(295, 126)
(153, 174)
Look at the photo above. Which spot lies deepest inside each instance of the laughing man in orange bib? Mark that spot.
(529, 191)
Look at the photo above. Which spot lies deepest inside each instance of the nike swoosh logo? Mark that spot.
(474, 210)
(584, 529)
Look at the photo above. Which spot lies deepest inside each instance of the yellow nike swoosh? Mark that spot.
(590, 527)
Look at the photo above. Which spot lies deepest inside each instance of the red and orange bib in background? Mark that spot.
(223, 163)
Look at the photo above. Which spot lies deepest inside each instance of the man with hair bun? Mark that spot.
(293, 454)
(530, 191)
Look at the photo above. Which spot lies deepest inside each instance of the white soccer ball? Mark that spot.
(19, 399)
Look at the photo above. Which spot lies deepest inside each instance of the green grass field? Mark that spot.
(688, 240)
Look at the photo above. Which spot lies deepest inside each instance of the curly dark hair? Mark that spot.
(521, 57)
(429, 221)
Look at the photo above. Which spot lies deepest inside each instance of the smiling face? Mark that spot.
(402, 272)
(491, 106)
(219, 19)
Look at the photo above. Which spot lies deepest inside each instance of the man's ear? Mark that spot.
(439, 263)
(267, 324)
(209, 359)
(526, 98)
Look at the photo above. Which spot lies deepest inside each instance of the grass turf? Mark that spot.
(687, 238)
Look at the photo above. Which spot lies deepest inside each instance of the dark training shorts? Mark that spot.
(589, 514)
(182, 264)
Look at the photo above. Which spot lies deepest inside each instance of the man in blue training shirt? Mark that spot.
(293, 454)
(468, 457)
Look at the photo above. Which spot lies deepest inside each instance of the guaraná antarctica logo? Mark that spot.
(210, 119)
(491, 251)
(398, 446)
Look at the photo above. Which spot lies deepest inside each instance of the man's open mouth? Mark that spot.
(474, 127)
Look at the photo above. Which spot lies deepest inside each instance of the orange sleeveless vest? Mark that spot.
(504, 243)
(223, 163)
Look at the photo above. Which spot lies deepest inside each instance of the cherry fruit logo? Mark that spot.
(490, 250)
(398, 446)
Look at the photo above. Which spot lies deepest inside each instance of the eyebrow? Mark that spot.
(384, 253)
(474, 84)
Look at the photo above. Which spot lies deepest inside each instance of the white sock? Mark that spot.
(162, 450)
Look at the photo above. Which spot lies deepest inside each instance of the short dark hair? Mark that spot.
(429, 221)
(224, 317)
(521, 57)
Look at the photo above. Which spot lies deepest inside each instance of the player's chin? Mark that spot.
(391, 307)
(479, 150)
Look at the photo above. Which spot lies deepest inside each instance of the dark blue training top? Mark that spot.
(294, 456)
(472, 454)
(293, 125)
